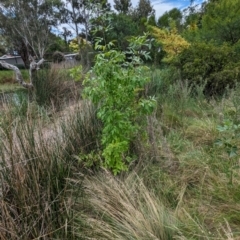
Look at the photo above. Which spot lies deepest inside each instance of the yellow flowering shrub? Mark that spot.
(77, 43)
(171, 41)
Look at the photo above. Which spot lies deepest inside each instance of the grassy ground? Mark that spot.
(8, 82)
(184, 183)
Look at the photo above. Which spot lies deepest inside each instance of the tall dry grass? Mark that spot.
(37, 159)
(34, 188)
(125, 209)
(54, 87)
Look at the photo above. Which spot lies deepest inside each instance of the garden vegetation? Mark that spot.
(140, 144)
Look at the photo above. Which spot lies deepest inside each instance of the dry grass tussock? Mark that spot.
(55, 88)
(36, 160)
(126, 209)
(33, 186)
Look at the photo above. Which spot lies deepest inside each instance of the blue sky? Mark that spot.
(161, 6)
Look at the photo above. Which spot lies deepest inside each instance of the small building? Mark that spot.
(70, 57)
(70, 60)
(14, 60)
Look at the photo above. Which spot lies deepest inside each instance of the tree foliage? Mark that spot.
(143, 10)
(77, 43)
(56, 43)
(122, 28)
(3, 45)
(221, 21)
(193, 14)
(122, 6)
(217, 67)
(171, 42)
(173, 15)
(30, 22)
(116, 91)
(79, 13)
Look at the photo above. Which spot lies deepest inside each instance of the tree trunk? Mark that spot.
(34, 66)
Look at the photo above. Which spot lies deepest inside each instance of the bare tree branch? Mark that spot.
(18, 74)
(34, 66)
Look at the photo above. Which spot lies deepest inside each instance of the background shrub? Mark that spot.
(217, 66)
(58, 57)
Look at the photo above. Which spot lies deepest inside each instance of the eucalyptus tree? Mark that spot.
(3, 45)
(122, 6)
(79, 13)
(29, 23)
(193, 15)
(66, 33)
(173, 15)
(144, 9)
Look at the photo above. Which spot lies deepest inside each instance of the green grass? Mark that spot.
(9, 75)
(8, 82)
(12, 87)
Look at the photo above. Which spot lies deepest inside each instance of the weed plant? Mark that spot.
(116, 90)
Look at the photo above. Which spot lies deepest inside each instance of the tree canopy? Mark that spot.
(122, 6)
(179, 34)
(30, 22)
(172, 15)
(221, 21)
